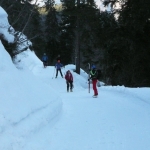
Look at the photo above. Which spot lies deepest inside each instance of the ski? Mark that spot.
(94, 96)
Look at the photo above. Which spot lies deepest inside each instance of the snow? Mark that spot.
(4, 25)
(37, 113)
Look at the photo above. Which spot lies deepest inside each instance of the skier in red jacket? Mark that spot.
(69, 80)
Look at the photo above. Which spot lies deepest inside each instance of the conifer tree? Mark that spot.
(83, 17)
(130, 47)
(52, 32)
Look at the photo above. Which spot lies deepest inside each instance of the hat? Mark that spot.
(93, 67)
(68, 71)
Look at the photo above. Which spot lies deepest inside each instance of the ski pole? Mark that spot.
(89, 77)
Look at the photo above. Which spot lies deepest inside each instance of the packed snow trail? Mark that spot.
(109, 122)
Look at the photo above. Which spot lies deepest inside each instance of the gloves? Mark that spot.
(88, 79)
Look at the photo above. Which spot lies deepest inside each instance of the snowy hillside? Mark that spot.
(37, 112)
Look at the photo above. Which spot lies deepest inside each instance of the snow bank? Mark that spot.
(4, 25)
(27, 104)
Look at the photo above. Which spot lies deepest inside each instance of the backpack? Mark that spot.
(99, 73)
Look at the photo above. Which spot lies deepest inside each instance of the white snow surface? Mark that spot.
(4, 25)
(37, 113)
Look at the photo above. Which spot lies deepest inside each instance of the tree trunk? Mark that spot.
(78, 40)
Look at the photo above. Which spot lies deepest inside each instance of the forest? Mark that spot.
(117, 41)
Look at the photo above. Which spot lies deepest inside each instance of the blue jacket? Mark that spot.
(44, 58)
(58, 65)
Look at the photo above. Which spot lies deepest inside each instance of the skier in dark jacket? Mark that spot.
(45, 60)
(69, 80)
(58, 67)
(93, 76)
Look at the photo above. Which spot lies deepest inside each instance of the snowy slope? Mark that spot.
(21, 97)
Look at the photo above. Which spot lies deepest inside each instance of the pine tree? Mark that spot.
(82, 18)
(52, 32)
(130, 47)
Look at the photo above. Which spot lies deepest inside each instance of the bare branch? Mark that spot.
(28, 39)
(26, 22)
(19, 15)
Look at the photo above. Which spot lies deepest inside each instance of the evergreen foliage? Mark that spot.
(81, 18)
(66, 38)
(117, 42)
(130, 49)
(52, 32)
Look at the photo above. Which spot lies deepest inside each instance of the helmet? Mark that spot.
(93, 67)
(44, 53)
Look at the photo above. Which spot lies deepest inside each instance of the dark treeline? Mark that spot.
(117, 41)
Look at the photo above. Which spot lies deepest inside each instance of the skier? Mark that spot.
(93, 76)
(58, 66)
(69, 80)
(45, 60)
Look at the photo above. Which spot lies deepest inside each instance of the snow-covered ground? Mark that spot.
(37, 113)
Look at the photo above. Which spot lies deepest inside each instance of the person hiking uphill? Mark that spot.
(58, 66)
(45, 60)
(69, 80)
(93, 76)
